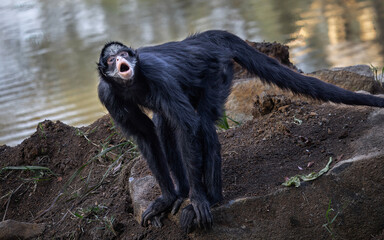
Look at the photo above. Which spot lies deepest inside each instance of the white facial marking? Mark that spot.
(112, 50)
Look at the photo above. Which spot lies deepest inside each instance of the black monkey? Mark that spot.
(186, 84)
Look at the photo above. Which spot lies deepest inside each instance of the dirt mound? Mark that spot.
(278, 51)
(85, 195)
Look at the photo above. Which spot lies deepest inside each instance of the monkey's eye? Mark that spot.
(111, 60)
(124, 54)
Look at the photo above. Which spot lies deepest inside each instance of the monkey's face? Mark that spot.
(117, 63)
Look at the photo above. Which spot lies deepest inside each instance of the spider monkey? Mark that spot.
(186, 84)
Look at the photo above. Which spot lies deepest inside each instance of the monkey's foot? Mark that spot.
(158, 209)
(197, 213)
(188, 219)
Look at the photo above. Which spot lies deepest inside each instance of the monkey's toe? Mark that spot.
(156, 212)
(177, 205)
(196, 214)
(188, 219)
(204, 217)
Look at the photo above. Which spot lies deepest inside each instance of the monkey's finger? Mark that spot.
(176, 205)
(208, 219)
(198, 217)
(187, 219)
(191, 223)
(147, 215)
(191, 226)
(204, 216)
(144, 222)
(156, 221)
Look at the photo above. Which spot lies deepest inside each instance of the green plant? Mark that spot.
(78, 132)
(39, 170)
(38, 174)
(330, 220)
(87, 187)
(42, 132)
(94, 214)
(222, 123)
(90, 213)
(379, 77)
(108, 222)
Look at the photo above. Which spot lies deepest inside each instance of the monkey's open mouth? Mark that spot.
(125, 71)
(124, 67)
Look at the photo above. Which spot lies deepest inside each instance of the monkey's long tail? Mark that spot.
(271, 71)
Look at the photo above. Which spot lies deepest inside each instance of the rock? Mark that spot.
(240, 102)
(247, 87)
(245, 93)
(143, 187)
(353, 78)
(11, 229)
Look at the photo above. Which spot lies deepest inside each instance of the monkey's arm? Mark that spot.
(135, 123)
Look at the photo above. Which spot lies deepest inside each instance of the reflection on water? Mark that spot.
(49, 48)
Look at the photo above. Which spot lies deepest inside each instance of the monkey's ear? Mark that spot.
(100, 69)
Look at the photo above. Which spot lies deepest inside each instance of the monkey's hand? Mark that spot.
(198, 213)
(159, 209)
(177, 204)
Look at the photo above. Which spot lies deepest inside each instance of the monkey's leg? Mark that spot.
(212, 163)
(174, 159)
(199, 209)
(211, 175)
(210, 108)
(183, 118)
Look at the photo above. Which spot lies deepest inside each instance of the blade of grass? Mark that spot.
(30, 168)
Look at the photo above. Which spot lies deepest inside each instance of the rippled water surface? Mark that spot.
(48, 49)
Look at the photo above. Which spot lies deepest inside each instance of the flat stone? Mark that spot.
(11, 229)
(353, 78)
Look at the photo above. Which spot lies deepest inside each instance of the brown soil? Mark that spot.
(257, 156)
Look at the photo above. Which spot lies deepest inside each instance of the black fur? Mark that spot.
(186, 84)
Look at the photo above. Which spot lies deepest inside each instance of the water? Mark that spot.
(48, 49)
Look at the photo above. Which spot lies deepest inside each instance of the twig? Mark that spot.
(50, 207)
(9, 200)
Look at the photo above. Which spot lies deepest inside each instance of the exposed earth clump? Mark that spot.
(257, 157)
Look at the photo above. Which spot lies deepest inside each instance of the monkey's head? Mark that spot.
(117, 63)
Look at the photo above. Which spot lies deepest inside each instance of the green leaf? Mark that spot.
(295, 180)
